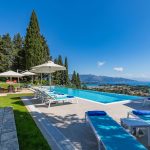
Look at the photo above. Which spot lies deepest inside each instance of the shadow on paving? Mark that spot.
(75, 129)
(71, 126)
(138, 105)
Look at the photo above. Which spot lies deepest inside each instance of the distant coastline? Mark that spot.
(114, 83)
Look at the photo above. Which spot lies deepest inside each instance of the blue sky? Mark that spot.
(99, 37)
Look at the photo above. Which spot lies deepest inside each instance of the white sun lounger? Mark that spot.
(143, 115)
(146, 100)
(57, 98)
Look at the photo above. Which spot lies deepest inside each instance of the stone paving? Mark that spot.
(8, 133)
(69, 121)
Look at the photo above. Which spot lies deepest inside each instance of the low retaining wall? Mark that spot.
(8, 133)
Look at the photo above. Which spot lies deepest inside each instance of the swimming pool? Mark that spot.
(101, 97)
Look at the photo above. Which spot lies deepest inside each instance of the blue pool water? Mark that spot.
(96, 96)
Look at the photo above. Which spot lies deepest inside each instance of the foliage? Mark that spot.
(66, 75)
(5, 85)
(125, 89)
(21, 53)
(36, 49)
(18, 52)
(6, 52)
(84, 86)
(61, 77)
(76, 80)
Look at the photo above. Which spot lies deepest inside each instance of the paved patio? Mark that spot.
(69, 120)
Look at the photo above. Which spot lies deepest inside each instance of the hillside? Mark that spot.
(104, 79)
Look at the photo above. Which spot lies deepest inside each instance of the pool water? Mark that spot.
(95, 96)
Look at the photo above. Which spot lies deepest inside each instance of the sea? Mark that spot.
(130, 83)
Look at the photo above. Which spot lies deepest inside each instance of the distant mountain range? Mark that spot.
(89, 78)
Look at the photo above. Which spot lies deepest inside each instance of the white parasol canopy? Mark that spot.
(49, 67)
(10, 74)
(28, 73)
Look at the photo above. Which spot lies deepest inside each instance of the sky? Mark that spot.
(101, 37)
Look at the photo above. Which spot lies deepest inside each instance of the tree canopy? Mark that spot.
(22, 53)
(36, 48)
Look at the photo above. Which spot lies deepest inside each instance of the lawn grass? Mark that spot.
(29, 136)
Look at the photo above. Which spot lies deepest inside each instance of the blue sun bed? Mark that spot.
(110, 135)
(142, 114)
(145, 116)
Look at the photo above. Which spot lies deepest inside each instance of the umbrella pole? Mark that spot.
(19, 82)
(41, 79)
(50, 80)
(11, 79)
(32, 79)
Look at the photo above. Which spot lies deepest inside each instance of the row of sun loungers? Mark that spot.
(48, 97)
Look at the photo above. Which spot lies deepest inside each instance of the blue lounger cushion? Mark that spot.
(96, 113)
(70, 96)
(112, 135)
(51, 90)
(60, 94)
(141, 112)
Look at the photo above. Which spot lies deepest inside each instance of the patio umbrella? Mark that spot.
(28, 73)
(11, 74)
(49, 67)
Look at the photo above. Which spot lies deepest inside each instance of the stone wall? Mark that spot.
(8, 133)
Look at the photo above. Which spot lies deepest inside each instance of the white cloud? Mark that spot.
(100, 63)
(119, 69)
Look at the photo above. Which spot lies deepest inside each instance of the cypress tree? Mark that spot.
(73, 80)
(46, 51)
(55, 74)
(60, 62)
(60, 74)
(66, 75)
(35, 45)
(18, 53)
(78, 82)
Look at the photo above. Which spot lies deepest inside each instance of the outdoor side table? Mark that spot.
(136, 123)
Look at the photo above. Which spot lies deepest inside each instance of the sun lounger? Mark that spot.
(147, 99)
(144, 115)
(110, 135)
(58, 98)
